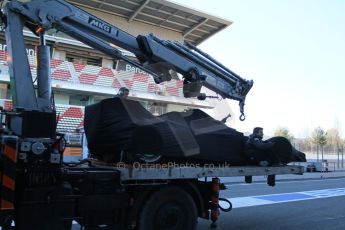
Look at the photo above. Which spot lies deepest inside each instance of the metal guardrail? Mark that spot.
(328, 166)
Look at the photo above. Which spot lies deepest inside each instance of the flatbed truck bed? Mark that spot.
(171, 173)
(136, 171)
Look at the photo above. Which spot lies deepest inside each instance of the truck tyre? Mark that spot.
(170, 208)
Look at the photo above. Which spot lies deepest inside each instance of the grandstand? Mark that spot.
(82, 76)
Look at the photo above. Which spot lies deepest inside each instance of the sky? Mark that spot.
(294, 50)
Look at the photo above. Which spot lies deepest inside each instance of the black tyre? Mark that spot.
(170, 208)
(149, 158)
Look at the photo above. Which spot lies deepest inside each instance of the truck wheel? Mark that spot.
(170, 208)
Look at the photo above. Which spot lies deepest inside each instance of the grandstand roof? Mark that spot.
(195, 26)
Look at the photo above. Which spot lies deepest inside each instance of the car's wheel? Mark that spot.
(170, 208)
(149, 158)
(146, 158)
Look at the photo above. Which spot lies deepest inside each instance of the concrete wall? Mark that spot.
(58, 54)
(61, 99)
(107, 63)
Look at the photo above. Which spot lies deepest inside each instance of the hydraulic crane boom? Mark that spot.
(157, 57)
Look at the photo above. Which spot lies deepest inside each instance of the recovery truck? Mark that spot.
(39, 191)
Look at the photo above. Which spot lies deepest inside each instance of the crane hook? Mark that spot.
(242, 117)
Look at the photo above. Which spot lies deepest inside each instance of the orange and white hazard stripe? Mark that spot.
(8, 152)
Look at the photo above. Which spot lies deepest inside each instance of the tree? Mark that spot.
(319, 137)
(304, 144)
(333, 139)
(284, 132)
(342, 143)
(342, 146)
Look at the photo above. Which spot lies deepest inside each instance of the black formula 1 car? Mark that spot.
(123, 130)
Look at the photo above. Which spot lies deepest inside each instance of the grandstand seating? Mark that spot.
(116, 83)
(60, 70)
(60, 74)
(55, 63)
(85, 78)
(106, 72)
(153, 87)
(3, 57)
(69, 118)
(6, 104)
(99, 76)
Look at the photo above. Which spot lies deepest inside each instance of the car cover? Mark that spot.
(115, 126)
